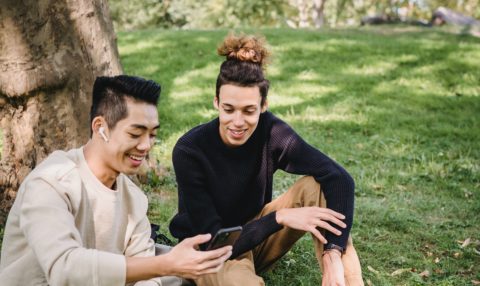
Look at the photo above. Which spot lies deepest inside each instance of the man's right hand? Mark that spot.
(185, 260)
(310, 219)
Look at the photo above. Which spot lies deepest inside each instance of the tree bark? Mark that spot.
(50, 53)
(302, 6)
(317, 13)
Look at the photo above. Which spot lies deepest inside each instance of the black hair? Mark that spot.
(108, 96)
(242, 73)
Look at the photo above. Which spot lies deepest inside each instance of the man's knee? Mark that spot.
(309, 192)
(233, 273)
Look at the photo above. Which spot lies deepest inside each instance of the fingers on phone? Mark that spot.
(198, 239)
(219, 252)
(216, 259)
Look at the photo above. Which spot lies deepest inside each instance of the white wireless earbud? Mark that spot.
(101, 130)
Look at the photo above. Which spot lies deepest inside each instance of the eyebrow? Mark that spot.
(248, 106)
(143, 127)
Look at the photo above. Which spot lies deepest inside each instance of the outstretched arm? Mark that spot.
(184, 260)
(50, 229)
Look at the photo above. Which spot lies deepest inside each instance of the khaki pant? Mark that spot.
(242, 270)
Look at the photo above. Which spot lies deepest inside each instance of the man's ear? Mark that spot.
(265, 105)
(97, 123)
(215, 102)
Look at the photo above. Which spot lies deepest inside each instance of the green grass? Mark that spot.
(399, 108)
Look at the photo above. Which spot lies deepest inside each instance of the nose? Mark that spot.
(145, 143)
(238, 120)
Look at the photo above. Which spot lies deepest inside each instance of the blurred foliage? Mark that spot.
(137, 14)
(208, 14)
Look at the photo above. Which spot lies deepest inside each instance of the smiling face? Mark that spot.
(239, 110)
(132, 138)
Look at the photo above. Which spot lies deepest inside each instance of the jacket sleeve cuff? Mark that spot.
(112, 269)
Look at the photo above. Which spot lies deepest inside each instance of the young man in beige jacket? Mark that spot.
(79, 220)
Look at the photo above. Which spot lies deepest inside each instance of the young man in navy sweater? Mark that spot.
(225, 168)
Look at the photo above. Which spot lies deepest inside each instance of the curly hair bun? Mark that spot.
(244, 48)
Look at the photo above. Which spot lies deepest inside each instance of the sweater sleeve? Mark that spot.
(255, 232)
(50, 230)
(298, 157)
(193, 193)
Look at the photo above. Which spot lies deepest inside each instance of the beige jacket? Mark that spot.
(67, 228)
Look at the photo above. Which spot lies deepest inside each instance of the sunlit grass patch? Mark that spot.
(378, 68)
(203, 73)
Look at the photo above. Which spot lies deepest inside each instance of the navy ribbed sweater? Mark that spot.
(220, 186)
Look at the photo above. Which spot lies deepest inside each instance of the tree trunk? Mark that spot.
(317, 13)
(50, 53)
(302, 6)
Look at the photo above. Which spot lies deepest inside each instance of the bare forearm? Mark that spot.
(184, 260)
(333, 272)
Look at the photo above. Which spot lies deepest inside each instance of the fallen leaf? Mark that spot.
(437, 260)
(377, 186)
(400, 271)
(401, 188)
(372, 270)
(425, 273)
(467, 194)
(429, 253)
(456, 254)
(465, 243)
(475, 282)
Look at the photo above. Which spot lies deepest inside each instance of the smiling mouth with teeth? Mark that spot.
(137, 158)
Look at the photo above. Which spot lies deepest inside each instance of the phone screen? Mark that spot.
(225, 236)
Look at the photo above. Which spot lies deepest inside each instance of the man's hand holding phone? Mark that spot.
(225, 236)
(185, 260)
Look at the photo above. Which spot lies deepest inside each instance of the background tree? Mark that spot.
(50, 53)
(317, 13)
(310, 13)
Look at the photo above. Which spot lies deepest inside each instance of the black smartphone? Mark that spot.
(225, 236)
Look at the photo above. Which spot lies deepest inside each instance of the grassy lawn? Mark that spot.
(399, 108)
